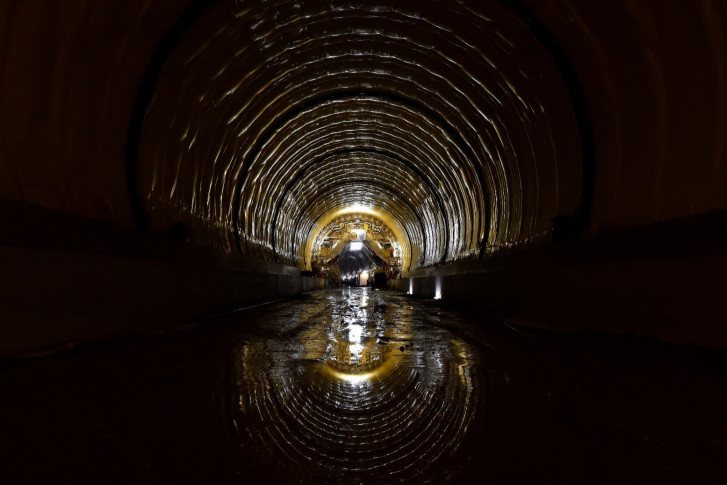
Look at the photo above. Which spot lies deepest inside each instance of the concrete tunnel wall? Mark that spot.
(561, 163)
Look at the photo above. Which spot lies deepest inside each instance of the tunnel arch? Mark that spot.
(371, 140)
(402, 234)
(510, 126)
(354, 152)
(329, 243)
(421, 207)
(414, 227)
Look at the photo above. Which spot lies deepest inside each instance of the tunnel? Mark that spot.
(369, 241)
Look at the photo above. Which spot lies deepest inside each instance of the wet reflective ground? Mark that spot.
(363, 386)
(356, 386)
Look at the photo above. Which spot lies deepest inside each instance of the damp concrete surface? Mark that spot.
(358, 385)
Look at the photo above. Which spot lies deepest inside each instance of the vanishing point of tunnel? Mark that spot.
(363, 241)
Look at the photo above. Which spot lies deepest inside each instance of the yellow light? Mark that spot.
(358, 377)
(403, 244)
(354, 378)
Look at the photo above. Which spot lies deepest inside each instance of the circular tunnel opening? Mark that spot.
(357, 248)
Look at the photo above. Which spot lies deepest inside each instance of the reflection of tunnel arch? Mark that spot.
(392, 412)
(464, 88)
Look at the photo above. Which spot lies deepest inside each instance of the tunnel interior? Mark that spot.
(193, 193)
(265, 121)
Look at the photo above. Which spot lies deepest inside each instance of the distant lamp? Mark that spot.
(438, 288)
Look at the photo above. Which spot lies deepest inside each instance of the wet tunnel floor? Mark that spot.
(365, 386)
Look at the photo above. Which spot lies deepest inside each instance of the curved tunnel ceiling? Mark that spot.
(450, 119)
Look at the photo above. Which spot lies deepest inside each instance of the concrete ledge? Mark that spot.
(67, 280)
(675, 300)
(666, 280)
(52, 299)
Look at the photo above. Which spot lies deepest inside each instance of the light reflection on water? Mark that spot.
(355, 387)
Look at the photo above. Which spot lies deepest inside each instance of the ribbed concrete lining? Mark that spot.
(334, 172)
(463, 94)
(356, 124)
(78, 77)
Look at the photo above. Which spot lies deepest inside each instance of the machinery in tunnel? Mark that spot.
(356, 247)
(357, 262)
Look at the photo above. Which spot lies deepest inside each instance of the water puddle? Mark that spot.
(355, 386)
